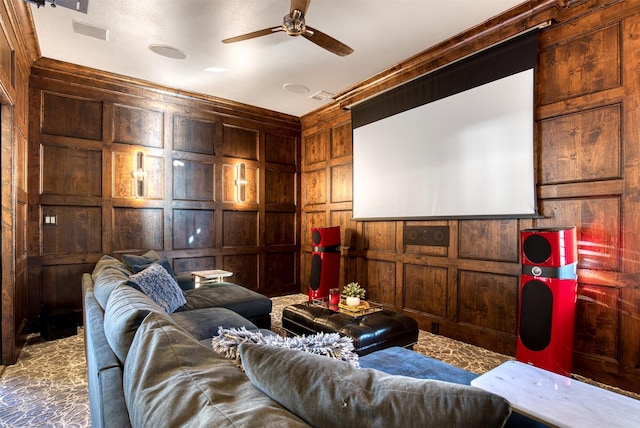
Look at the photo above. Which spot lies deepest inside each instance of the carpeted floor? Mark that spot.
(47, 386)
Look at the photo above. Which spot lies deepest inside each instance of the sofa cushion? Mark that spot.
(131, 260)
(204, 323)
(160, 286)
(126, 309)
(108, 273)
(171, 380)
(241, 300)
(163, 261)
(330, 393)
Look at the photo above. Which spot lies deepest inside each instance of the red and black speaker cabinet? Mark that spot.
(325, 261)
(548, 292)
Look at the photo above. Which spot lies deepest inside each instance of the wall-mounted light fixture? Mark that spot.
(139, 175)
(241, 182)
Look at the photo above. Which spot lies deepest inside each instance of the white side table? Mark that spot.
(205, 277)
(558, 400)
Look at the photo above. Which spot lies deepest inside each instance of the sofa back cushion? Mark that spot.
(344, 396)
(170, 379)
(126, 309)
(108, 273)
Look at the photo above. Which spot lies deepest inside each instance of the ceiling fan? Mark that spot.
(294, 25)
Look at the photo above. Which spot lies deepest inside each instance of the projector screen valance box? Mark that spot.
(455, 143)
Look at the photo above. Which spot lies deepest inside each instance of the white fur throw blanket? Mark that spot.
(329, 344)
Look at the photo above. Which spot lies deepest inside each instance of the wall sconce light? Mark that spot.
(139, 175)
(241, 182)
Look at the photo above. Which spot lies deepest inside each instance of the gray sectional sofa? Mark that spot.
(148, 367)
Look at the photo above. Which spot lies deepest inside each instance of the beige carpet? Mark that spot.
(47, 386)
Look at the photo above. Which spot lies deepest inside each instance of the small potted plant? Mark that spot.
(353, 293)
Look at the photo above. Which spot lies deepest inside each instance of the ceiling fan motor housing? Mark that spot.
(293, 23)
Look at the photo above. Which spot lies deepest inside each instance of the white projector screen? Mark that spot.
(465, 155)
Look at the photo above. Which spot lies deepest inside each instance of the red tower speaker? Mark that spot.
(547, 298)
(325, 261)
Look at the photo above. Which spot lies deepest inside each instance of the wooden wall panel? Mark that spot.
(597, 312)
(60, 286)
(380, 236)
(562, 70)
(136, 230)
(280, 228)
(280, 149)
(315, 189)
(193, 229)
(341, 183)
(598, 235)
(380, 280)
(133, 125)
(72, 172)
(582, 146)
(490, 240)
(193, 181)
(77, 230)
(240, 229)
(425, 289)
(193, 135)
(191, 264)
(341, 144)
(70, 116)
(487, 300)
(280, 188)
(279, 272)
(245, 270)
(315, 148)
(240, 142)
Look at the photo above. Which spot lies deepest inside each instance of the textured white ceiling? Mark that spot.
(382, 33)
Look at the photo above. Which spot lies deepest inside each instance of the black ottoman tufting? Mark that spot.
(370, 332)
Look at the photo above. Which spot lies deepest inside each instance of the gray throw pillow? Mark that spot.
(160, 286)
(331, 393)
(147, 258)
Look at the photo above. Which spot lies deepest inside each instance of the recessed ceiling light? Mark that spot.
(295, 88)
(215, 69)
(168, 51)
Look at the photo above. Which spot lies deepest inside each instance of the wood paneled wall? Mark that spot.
(16, 56)
(587, 174)
(87, 128)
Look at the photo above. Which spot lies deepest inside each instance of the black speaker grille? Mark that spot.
(315, 236)
(316, 270)
(536, 248)
(535, 315)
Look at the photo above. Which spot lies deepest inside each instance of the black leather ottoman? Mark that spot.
(370, 333)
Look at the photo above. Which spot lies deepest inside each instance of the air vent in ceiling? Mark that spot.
(90, 30)
(321, 96)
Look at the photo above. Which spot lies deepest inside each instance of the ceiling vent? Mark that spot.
(90, 30)
(321, 96)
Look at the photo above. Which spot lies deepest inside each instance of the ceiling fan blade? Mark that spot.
(326, 42)
(253, 34)
(301, 5)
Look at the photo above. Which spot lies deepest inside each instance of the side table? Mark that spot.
(204, 277)
(558, 400)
